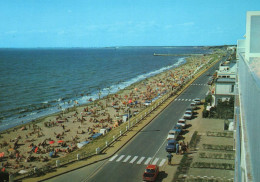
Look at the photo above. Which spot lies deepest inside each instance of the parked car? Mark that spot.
(172, 134)
(150, 173)
(178, 128)
(190, 109)
(182, 122)
(171, 146)
(187, 115)
(197, 101)
(193, 105)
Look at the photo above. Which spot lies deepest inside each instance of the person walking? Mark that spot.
(169, 156)
(177, 148)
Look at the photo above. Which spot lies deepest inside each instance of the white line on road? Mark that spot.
(182, 99)
(132, 161)
(189, 99)
(140, 160)
(112, 158)
(127, 158)
(155, 161)
(120, 158)
(162, 162)
(148, 160)
(186, 99)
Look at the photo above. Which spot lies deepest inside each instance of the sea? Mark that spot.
(38, 82)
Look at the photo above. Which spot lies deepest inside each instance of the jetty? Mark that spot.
(177, 54)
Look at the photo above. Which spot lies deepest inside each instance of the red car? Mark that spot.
(150, 173)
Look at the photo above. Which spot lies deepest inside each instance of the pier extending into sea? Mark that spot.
(178, 54)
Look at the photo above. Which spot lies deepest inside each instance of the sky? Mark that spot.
(105, 23)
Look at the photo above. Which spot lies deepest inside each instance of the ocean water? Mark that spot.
(38, 82)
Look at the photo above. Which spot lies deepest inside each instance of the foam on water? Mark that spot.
(61, 104)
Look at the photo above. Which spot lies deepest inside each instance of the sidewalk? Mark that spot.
(116, 146)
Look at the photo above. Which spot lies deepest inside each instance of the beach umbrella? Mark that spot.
(51, 142)
(36, 149)
(60, 141)
(130, 101)
(11, 149)
(2, 154)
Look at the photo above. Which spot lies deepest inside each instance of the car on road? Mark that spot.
(187, 115)
(182, 122)
(171, 146)
(197, 101)
(172, 134)
(150, 173)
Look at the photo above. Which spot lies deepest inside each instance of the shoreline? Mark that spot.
(102, 110)
(73, 108)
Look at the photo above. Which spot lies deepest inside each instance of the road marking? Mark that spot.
(162, 162)
(127, 158)
(186, 99)
(182, 99)
(132, 161)
(189, 99)
(140, 160)
(120, 158)
(148, 160)
(112, 158)
(155, 161)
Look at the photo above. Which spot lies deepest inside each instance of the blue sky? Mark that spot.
(101, 23)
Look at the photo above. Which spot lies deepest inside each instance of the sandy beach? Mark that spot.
(34, 144)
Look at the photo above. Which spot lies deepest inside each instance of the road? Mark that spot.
(148, 146)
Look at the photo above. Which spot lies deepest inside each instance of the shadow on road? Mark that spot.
(149, 131)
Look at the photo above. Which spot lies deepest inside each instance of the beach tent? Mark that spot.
(60, 141)
(22, 171)
(51, 142)
(96, 135)
(81, 144)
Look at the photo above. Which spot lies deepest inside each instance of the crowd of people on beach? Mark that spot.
(34, 144)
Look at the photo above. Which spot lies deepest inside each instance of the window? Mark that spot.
(232, 88)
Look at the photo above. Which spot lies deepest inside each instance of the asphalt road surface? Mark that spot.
(148, 146)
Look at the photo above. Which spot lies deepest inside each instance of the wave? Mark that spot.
(34, 111)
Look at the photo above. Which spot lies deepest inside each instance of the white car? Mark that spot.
(197, 101)
(182, 122)
(172, 135)
(187, 115)
(193, 105)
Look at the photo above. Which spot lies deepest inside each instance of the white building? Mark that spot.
(224, 89)
(227, 69)
(247, 99)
